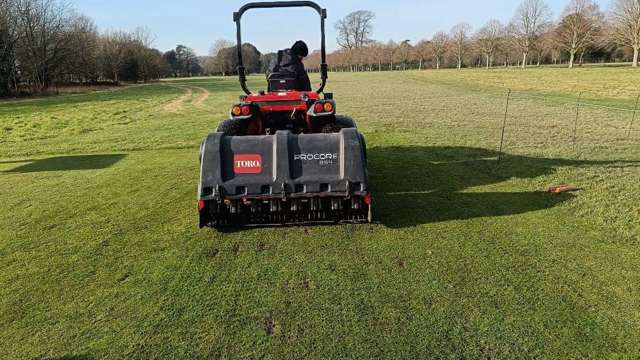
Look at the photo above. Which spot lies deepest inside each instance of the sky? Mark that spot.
(198, 23)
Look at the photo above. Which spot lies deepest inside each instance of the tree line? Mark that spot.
(45, 42)
(223, 59)
(583, 32)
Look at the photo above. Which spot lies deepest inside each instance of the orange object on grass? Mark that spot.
(561, 189)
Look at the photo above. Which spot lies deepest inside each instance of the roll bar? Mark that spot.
(237, 16)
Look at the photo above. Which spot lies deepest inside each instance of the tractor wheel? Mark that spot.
(232, 127)
(200, 152)
(345, 122)
(364, 148)
(342, 122)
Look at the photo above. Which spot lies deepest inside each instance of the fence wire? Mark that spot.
(449, 115)
(526, 124)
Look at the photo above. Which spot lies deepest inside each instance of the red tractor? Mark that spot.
(283, 156)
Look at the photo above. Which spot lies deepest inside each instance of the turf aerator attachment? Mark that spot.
(283, 179)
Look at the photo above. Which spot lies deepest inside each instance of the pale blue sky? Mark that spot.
(197, 23)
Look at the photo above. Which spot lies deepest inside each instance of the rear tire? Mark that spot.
(364, 149)
(233, 127)
(342, 122)
(200, 152)
(345, 122)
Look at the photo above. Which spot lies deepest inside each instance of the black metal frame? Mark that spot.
(237, 16)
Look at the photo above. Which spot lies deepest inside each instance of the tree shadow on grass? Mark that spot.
(66, 163)
(415, 185)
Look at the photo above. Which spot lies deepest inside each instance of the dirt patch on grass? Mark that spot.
(124, 276)
(202, 97)
(271, 327)
(211, 253)
(176, 105)
(262, 247)
(307, 284)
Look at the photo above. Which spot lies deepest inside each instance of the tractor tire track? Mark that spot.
(176, 105)
(204, 95)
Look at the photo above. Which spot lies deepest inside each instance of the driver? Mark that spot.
(290, 60)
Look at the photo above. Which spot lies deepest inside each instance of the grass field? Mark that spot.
(100, 255)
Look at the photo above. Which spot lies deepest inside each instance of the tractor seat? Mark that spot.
(282, 81)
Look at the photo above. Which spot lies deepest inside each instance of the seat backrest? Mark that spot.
(282, 81)
(281, 77)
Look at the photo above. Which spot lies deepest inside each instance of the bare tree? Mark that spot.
(460, 39)
(578, 27)
(226, 60)
(8, 41)
(187, 59)
(359, 57)
(215, 64)
(439, 44)
(390, 49)
(489, 38)
(354, 31)
(403, 53)
(43, 44)
(144, 36)
(211, 64)
(422, 52)
(530, 21)
(377, 50)
(84, 43)
(510, 50)
(219, 45)
(549, 47)
(113, 50)
(145, 57)
(625, 16)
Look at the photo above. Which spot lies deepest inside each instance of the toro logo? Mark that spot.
(247, 164)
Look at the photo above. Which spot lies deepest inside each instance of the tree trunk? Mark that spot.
(581, 58)
(487, 61)
(572, 55)
(635, 56)
(524, 60)
(459, 62)
(420, 65)
(15, 83)
(438, 64)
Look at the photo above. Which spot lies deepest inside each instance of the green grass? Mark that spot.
(607, 82)
(100, 255)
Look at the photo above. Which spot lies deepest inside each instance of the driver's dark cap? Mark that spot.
(300, 48)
